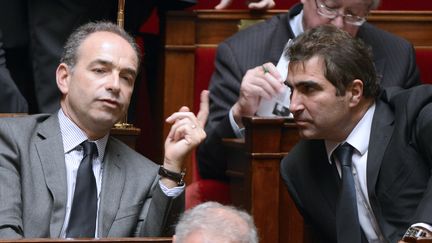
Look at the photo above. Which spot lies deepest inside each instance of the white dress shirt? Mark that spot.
(359, 139)
(72, 137)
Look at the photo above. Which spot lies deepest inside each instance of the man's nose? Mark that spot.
(113, 84)
(296, 103)
(338, 21)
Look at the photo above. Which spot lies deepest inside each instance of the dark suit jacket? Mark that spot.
(398, 168)
(33, 185)
(394, 58)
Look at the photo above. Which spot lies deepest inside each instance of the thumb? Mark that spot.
(262, 4)
(204, 108)
(223, 4)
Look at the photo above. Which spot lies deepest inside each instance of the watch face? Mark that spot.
(414, 233)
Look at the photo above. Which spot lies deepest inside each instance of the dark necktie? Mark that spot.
(347, 221)
(82, 221)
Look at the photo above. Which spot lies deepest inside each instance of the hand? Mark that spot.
(185, 134)
(260, 82)
(262, 4)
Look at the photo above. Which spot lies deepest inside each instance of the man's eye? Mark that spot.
(127, 78)
(99, 70)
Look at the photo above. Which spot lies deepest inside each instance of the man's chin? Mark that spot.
(306, 134)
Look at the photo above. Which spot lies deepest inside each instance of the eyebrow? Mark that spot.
(309, 83)
(103, 62)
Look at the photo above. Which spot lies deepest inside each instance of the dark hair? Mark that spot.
(345, 58)
(70, 50)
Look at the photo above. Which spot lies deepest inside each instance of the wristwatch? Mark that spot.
(414, 232)
(177, 177)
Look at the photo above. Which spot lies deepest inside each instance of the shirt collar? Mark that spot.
(296, 24)
(73, 136)
(359, 136)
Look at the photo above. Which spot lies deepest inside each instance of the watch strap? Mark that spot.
(414, 233)
(175, 176)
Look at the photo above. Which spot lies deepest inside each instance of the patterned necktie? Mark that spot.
(82, 221)
(347, 221)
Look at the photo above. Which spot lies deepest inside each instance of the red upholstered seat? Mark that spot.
(202, 190)
(424, 62)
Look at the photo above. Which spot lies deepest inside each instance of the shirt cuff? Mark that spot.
(423, 225)
(239, 132)
(172, 192)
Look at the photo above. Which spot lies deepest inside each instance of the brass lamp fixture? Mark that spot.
(120, 22)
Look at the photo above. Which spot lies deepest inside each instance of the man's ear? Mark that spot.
(356, 92)
(63, 74)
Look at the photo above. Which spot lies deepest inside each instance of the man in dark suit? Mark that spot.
(336, 104)
(43, 184)
(237, 85)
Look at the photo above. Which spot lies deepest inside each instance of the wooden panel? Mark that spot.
(176, 89)
(215, 26)
(415, 26)
(126, 135)
(12, 114)
(255, 183)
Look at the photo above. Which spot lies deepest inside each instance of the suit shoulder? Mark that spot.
(257, 31)
(305, 151)
(374, 35)
(22, 123)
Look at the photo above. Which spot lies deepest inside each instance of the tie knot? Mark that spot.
(344, 153)
(90, 148)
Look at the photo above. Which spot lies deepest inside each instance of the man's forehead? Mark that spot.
(101, 39)
(349, 3)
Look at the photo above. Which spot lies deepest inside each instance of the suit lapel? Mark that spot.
(327, 175)
(379, 57)
(113, 180)
(281, 36)
(51, 156)
(381, 132)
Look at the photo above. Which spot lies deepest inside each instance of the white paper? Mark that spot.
(279, 105)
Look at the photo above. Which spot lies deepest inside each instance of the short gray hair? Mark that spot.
(70, 50)
(215, 219)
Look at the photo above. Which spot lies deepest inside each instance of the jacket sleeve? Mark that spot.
(424, 133)
(161, 212)
(224, 90)
(10, 187)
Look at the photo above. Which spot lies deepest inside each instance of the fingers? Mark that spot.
(223, 4)
(264, 81)
(186, 130)
(188, 126)
(269, 68)
(204, 108)
(263, 4)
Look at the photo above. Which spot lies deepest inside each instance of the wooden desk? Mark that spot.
(255, 183)
(101, 240)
